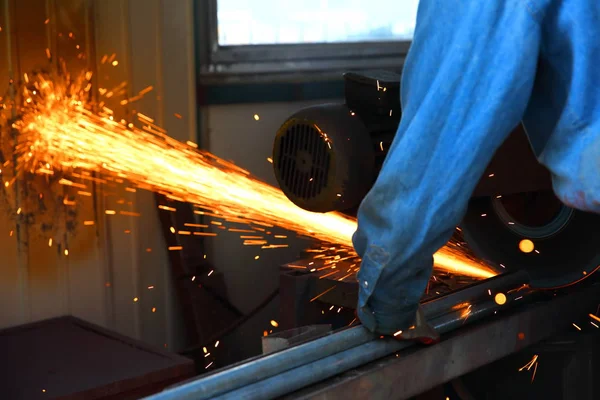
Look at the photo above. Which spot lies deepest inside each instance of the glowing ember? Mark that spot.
(500, 298)
(59, 131)
(526, 246)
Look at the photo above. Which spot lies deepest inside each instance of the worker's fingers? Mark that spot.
(421, 331)
(426, 335)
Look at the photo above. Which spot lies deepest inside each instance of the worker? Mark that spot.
(474, 71)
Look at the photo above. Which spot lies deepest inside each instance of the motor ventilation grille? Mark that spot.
(304, 161)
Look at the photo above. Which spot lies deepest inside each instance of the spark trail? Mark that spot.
(59, 131)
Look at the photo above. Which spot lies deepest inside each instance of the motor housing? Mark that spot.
(327, 157)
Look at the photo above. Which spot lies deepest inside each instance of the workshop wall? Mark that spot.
(232, 132)
(109, 263)
(118, 258)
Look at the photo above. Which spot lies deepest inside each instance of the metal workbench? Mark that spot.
(417, 370)
(354, 363)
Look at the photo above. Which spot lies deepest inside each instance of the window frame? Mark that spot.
(285, 62)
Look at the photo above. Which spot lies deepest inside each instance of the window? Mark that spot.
(269, 38)
(244, 22)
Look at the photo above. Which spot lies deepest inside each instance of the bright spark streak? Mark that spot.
(530, 363)
(59, 129)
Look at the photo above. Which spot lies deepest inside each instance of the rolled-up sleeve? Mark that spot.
(465, 85)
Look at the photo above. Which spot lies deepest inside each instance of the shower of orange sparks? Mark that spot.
(59, 131)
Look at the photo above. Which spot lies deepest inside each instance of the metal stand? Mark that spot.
(417, 370)
(567, 369)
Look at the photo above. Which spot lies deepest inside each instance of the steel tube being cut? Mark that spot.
(338, 363)
(302, 365)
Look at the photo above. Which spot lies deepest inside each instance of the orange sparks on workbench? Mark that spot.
(532, 363)
(466, 312)
(594, 317)
(323, 293)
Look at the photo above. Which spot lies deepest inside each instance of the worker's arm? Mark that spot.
(465, 86)
(563, 116)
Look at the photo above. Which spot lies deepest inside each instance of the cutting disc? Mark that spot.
(557, 245)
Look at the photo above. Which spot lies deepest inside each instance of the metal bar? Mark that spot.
(338, 363)
(309, 51)
(248, 373)
(291, 71)
(471, 293)
(262, 368)
(466, 350)
(346, 293)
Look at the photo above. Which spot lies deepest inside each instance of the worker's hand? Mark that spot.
(420, 331)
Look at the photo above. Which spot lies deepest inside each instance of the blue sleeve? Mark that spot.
(466, 83)
(563, 116)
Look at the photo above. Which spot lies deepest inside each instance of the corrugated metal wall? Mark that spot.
(117, 259)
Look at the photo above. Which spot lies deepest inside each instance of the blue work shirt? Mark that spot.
(474, 71)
